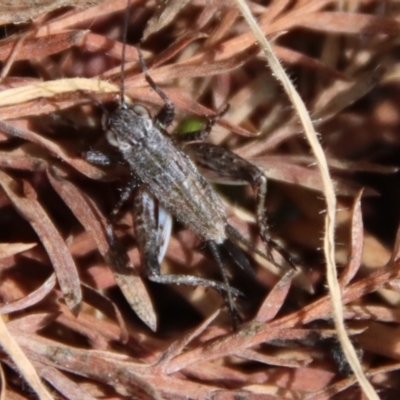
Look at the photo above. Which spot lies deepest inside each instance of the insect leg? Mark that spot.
(125, 194)
(238, 257)
(99, 158)
(261, 184)
(148, 240)
(166, 115)
(228, 290)
(223, 166)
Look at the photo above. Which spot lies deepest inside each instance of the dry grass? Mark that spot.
(62, 303)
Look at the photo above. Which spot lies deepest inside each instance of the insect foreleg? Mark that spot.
(166, 115)
(124, 196)
(96, 157)
(99, 158)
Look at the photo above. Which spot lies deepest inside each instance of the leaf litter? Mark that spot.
(60, 202)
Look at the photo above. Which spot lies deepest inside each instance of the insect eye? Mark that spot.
(111, 138)
(140, 111)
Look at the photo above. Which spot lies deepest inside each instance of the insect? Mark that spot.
(167, 180)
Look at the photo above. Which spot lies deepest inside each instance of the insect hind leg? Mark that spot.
(238, 257)
(151, 269)
(149, 243)
(224, 166)
(262, 222)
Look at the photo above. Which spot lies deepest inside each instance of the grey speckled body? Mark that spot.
(163, 173)
(167, 172)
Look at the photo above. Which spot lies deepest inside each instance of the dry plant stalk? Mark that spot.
(62, 301)
(330, 198)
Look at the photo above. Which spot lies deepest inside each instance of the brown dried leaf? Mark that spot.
(32, 322)
(25, 368)
(93, 222)
(43, 106)
(274, 301)
(66, 386)
(241, 42)
(345, 22)
(322, 308)
(107, 307)
(300, 381)
(274, 10)
(248, 335)
(106, 367)
(18, 11)
(381, 338)
(101, 276)
(49, 89)
(25, 162)
(32, 298)
(177, 347)
(226, 23)
(254, 334)
(293, 58)
(271, 360)
(63, 264)
(328, 392)
(132, 286)
(126, 275)
(343, 95)
(396, 248)
(233, 395)
(357, 243)
(357, 135)
(165, 13)
(10, 249)
(309, 177)
(189, 69)
(341, 165)
(209, 371)
(79, 16)
(98, 332)
(40, 47)
(376, 313)
(76, 162)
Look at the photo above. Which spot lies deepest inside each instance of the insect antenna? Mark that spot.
(124, 38)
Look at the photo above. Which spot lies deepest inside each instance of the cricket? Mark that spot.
(166, 181)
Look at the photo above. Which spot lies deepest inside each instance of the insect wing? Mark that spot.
(164, 231)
